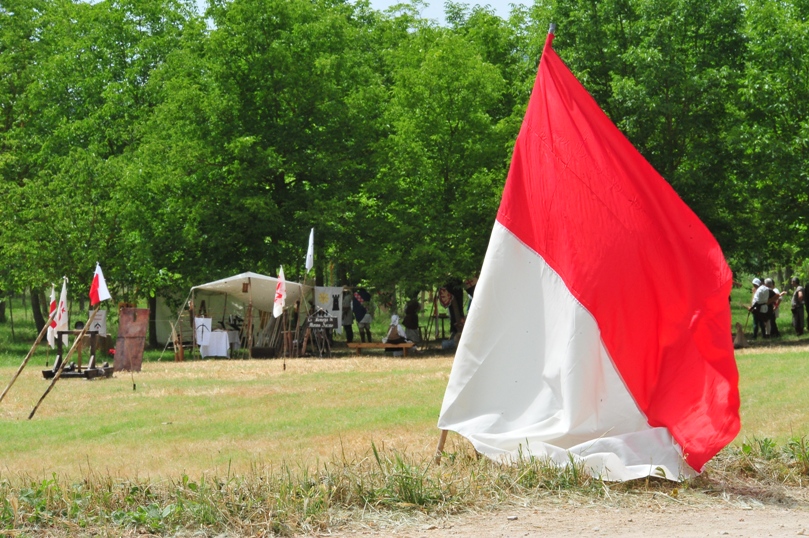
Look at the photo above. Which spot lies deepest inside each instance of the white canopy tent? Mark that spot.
(252, 287)
(246, 296)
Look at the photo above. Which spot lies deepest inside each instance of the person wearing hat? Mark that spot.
(797, 305)
(759, 308)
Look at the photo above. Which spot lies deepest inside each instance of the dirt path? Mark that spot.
(594, 521)
(643, 515)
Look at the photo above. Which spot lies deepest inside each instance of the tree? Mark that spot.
(774, 135)
(431, 206)
(668, 73)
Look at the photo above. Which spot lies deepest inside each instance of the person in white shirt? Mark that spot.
(759, 308)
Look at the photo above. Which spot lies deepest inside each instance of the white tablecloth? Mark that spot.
(218, 345)
(233, 338)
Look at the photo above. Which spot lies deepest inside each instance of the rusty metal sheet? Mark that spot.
(132, 326)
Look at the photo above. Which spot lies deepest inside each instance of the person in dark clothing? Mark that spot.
(361, 304)
(411, 319)
(797, 305)
(451, 296)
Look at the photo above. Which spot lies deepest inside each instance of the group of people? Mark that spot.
(765, 307)
(358, 307)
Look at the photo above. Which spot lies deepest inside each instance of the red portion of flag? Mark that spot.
(51, 310)
(636, 257)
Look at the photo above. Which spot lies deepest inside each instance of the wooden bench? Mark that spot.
(359, 346)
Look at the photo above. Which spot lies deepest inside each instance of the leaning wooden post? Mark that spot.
(439, 450)
(65, 361)
(30, 353)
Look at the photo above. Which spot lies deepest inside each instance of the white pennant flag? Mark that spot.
(310, 253)
(280, 294)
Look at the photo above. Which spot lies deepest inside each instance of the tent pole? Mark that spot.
(193, 325)
(284, 334)
(439, 450)
(176, 325)
(30, 353)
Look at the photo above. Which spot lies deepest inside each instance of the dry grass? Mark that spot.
(211, 416)
(247, 448)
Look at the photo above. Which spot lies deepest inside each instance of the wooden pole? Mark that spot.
(439, 450)
(250, 319)
(284, 334)
(30, 353)
(65, 361)
(435, 309)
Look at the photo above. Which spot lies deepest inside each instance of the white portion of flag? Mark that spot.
(280, 294)
(532, 377)
(98, 289)
(310, 252)
(52, 319)
(62, 321)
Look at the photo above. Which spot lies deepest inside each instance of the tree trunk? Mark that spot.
(3, 309)
(153, 322)
(39, 319)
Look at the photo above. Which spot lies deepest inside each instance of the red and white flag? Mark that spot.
(52, 324)
(62, 322)
(98, 289)
(280, 294)
(600, 329)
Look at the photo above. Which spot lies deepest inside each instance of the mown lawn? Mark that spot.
(219, 416)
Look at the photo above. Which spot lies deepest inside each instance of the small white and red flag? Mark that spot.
(98, 289)
(61, 319)
(280, 294)
(52, 317)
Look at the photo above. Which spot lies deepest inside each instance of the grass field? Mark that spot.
(214, 415)
(234, 418)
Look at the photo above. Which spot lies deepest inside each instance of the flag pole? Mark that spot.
(30, 353)
(439, 450)
(66, 360)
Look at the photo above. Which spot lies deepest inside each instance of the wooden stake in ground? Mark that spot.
(30, 353)
(65, 361)
(439, 450)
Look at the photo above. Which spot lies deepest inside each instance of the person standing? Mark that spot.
(361, 304)
(759, 308)
(411, 319)
(798, 303)
(347, 317)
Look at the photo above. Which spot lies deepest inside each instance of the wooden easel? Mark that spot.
(64, 362)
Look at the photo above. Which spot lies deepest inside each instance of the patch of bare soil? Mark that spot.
(751, 513)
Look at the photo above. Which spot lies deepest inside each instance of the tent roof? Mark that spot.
(261, 290)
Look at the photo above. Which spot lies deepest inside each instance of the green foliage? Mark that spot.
(174, 148)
